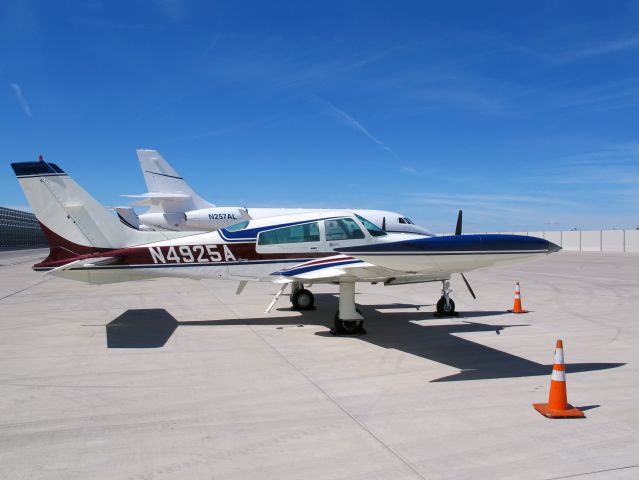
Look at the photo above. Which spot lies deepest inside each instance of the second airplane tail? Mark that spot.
(161, 178)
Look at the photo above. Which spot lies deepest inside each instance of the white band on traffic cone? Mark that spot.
(559, 375)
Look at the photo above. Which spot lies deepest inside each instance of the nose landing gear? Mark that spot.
(446, 305)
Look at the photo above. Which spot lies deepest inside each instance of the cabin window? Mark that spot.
(402, 220)
(342, 229)
(307, 232)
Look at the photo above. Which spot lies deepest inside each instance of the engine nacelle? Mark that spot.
(162, 221)
(215, 218)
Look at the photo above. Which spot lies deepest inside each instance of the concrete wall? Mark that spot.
(591, 240)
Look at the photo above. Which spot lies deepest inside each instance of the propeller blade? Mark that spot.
(468, 284)
(458, 228)
(384, 223)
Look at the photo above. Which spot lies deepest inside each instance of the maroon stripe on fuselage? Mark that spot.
(61, 250)
(238, 251)
(171, 255)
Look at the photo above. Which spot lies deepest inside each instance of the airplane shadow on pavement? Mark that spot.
(152, 328)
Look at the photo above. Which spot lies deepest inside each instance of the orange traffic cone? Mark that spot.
(558, 406)
(517, 307)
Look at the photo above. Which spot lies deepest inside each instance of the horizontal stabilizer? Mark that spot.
(83, 263)
(161, 196)
(162, 202)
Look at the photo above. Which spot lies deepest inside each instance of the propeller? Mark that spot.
(458, 228)
(458, 231)
(384, 223)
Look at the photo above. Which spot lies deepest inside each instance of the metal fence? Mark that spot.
(20, 230)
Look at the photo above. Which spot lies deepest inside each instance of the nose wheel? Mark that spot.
(446, 309)
(446, 305)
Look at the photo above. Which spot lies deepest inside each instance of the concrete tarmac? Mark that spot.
(180, 379)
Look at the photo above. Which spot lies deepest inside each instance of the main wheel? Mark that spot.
(302, 300)
(348, 327)
(445, 309)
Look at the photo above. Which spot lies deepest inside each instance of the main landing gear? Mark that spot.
(301, 298)
(446, 305)
(348, 320)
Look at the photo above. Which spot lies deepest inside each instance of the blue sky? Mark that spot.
(524, 114)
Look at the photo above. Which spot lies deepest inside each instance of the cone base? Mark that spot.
(570, 412)
(518, 311)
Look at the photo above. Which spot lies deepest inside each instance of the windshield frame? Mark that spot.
(370, 227)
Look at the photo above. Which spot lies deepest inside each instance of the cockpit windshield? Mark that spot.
(373, 229)
(237, 226)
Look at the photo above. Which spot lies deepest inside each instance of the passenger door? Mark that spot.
(343, 232)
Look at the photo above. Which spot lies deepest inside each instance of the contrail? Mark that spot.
(354, 123)
(23, 101)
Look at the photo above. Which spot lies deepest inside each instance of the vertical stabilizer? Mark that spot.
(161, 178)
(73, 221)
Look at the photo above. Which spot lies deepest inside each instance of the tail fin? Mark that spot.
(161, 178)
(72, 220)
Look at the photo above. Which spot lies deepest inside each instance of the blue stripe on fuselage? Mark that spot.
(456, 244)
(298, 271)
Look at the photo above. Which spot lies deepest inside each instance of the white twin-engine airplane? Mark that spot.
(175, 206)
(339, 247)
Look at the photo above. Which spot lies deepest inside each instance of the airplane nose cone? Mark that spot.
(552, 247)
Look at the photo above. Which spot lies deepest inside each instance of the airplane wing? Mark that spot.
(344, 267)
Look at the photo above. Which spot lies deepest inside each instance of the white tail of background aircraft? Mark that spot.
(168, 192)
(173, 204)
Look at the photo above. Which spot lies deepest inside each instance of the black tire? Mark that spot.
(444, 309)
(303, 300)
(348, 327)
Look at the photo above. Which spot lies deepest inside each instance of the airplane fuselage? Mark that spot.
(244, 255)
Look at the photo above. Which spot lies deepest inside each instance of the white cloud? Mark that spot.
(602, 48)
(20, 97)
(410, 170)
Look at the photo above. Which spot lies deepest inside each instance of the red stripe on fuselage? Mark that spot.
(63, 251)
(141, 256)
(318, 262)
